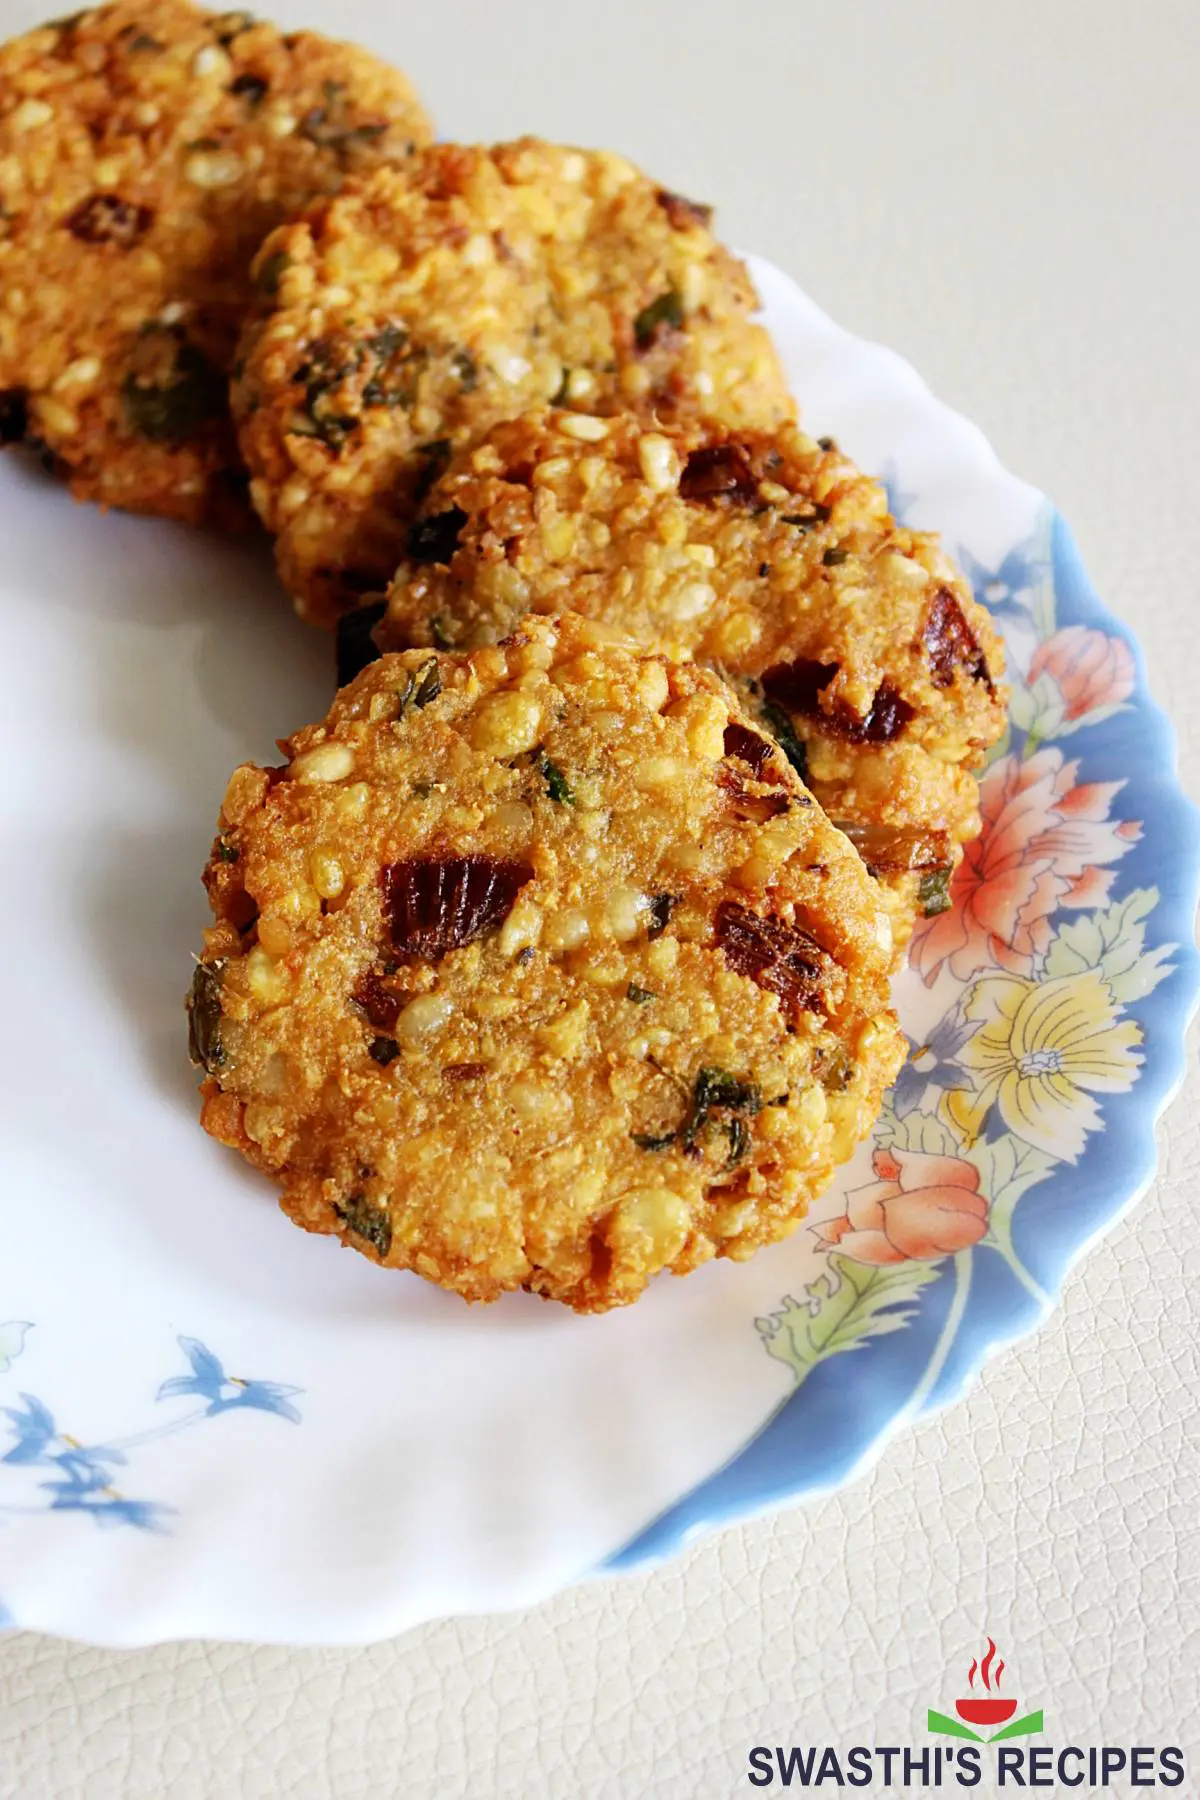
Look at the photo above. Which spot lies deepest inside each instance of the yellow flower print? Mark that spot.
(1042, 1050)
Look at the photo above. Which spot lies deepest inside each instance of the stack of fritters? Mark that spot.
(557, 954)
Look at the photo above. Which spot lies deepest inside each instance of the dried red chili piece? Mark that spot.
(718, 470)
(748, 747)
(464, 1071)
(380, 1005)
(107, 219)
(435, 904)
(888, 716)
(950, 643)
(781, 958)
(797, 686)
(240, 908)
(759, 807)
(890, 850)
(683, 213)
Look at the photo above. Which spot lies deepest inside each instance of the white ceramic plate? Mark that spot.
(215, 1426)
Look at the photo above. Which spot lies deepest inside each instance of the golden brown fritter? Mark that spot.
(770, 557)
(412, 314)
(539, 967)
(146, 148)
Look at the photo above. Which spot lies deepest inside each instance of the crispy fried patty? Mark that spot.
(146, 148)
(410, 315)
(539, 967)
(767, 555)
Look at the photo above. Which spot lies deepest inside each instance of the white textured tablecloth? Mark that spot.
(1006, 193)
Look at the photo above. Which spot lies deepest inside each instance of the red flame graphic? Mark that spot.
(992, 1711)
(987, 1665)
(986, 1670)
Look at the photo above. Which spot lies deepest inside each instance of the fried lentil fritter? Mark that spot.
(767, 555)
(146, 148)
(408, 316)
(538, 967)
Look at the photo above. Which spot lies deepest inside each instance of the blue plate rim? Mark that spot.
(746, 1486)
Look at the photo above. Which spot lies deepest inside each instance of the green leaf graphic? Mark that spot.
(1007, 1169)
(1029, 1726)
(1042, 603)
(843, 1309)
(1039, 710)
(927, 1132)
(1113, 941)
(12, 1341)
(948, 1727)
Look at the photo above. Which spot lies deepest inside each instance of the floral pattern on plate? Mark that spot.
(483, 1458)
(1046, 967)
(1024, 1001)
(79, 1477)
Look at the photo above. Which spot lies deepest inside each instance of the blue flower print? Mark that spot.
(33, 1429)
(1000, 589)
(80, 1477)
(932, 1062)
(226, 1393)
(82, 1474)
(83, 1470)
(115, 1509)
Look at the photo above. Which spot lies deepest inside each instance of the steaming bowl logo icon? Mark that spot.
(977, 1710)
(990, 1711)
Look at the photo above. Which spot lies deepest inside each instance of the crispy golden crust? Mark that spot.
(146, 148)
(538, 967)
(414, 313)
(766, 555)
